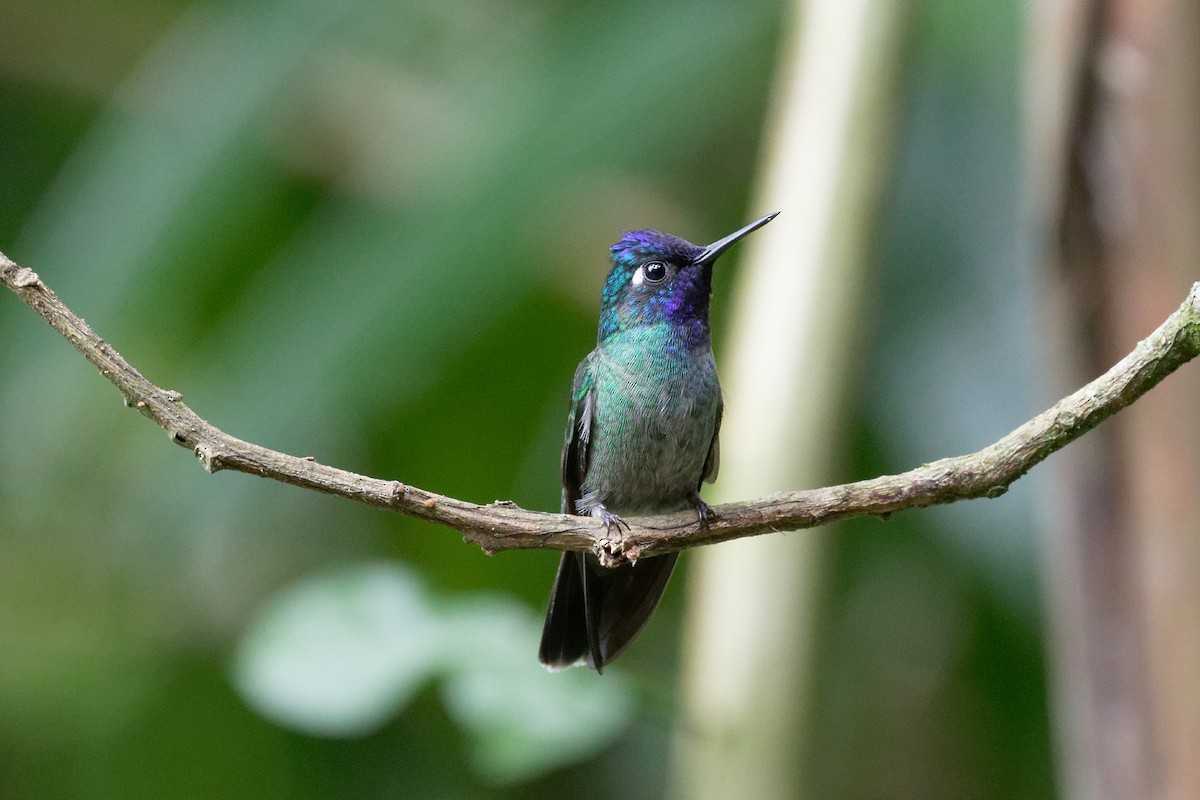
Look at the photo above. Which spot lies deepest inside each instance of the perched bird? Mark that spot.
(641, 435)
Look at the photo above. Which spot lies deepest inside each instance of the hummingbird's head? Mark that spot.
(657, 277)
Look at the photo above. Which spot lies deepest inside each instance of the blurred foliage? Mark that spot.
(374, 232)
(341, 654)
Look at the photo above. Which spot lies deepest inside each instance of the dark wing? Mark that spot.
(576, 454)
(712, 462)
(571, 631)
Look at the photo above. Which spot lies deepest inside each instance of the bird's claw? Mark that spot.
(704, 512)
(612, 522)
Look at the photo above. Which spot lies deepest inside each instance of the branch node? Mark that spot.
(25, 277)
(173, 395)
(607, 552)
(616, 552)
(1065, 420)
(208, 459)
(399, 491)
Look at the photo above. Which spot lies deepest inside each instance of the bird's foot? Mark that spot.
(704, 512)
(613, 524)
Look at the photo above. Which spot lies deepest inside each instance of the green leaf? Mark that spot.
(340, 654)
(522, 719)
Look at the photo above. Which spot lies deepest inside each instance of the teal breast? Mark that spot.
(655, 412)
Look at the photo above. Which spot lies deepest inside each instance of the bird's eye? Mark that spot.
(655, 271)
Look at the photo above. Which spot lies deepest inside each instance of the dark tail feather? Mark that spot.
(596, 612)
(565, 633)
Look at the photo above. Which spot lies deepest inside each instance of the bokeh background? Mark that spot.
(374, 231)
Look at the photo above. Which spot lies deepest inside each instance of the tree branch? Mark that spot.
(504, 526)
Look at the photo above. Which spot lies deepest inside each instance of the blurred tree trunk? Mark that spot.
(745, 684)
(1124, 575)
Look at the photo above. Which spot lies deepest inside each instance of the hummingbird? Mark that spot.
(641, 436)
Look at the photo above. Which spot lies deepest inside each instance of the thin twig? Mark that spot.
(504, 526)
